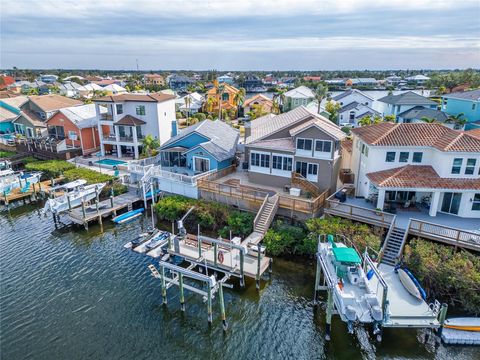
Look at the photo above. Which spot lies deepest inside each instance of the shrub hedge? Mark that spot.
(50, 168)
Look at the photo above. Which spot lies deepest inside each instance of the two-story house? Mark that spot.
(300, 96)
(298, 141)
(9, 111)
(466, 103)
(353, 95)
(207, 145)
(225, 79)
(130, 117)
(221, 95)
(396, 104)
(179, 82)
(31, 121)
(153, 80)
(418, 163)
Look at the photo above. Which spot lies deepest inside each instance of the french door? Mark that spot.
(451, 202)
(202, 165)
(307, 170)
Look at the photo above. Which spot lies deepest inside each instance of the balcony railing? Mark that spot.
(109, 138)
(108, 117)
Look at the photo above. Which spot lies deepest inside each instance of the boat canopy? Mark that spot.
(346, 255)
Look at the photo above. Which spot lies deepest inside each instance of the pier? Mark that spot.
(36, 191)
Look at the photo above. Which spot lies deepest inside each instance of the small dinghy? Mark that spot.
(463, 323)
(411, 284)
(128, 216)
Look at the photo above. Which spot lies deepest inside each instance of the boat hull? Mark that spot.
(464, 324)
(409, 285)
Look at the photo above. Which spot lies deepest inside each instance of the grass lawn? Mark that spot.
(6, 154)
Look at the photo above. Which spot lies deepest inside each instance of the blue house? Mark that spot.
(467, 102)
(397, 104)
(208, 145)
(9, 111)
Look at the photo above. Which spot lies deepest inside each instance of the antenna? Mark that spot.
(137, 63)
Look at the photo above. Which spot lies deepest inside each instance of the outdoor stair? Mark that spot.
(304, 184)
(394, 243)
(266, 214)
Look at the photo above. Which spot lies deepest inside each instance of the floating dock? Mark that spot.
(460, 337)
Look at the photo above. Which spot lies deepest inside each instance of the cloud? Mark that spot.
(107, 34)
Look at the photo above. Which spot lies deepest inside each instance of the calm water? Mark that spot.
(72, 294)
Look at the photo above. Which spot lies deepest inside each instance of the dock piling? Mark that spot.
(222, 307)
(317, 282)
(441, 317)
(257, 277)
(329, 314)
(209, 304)
(164, 288)
(182, 297)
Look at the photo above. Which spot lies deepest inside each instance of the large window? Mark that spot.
(140, 109)
(470, 168)
(304, 144)
(225, 97)
(417, 157)
(457, 165)
(119, 109)
(312, 169)
(476, 202)
(403, 156)
(390, 156)
(57, 132)
(261, 160)
(281, 163)
(323, 146)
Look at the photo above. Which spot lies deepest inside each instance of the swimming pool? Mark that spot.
(111, 162)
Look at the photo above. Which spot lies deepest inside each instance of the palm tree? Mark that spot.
(428, 120)
(220, 90)
(320, 93)
(238, 99)
(278, 101)
(459, 120)
(209, 104)
(149, 144)
(188, 101)
(365, 121)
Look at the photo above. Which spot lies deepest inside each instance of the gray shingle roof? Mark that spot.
(222, 138)
(465, 95)
(350, 92)
(408, 98)
(350, 106)
(418, 112)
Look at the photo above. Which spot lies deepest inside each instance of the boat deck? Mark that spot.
(404, 309)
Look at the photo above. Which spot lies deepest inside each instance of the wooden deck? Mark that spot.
(38, 190)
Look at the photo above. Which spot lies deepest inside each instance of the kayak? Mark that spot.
(463, 323)
(409, 285)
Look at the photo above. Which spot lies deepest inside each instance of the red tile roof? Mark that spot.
(418, 134)
(474, 133)
(419, 176)
(5, 81)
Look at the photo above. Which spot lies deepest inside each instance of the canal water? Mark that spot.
(73, 294)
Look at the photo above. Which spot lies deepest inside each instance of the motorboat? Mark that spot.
(73, 197)
(354, 296)
(10, 179)
(158, 240)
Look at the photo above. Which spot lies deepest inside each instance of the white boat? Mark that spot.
(409, 285)
(10, 179)
(354, 296)
(463, 323)
(73, 198)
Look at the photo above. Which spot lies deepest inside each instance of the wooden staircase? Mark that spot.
(266, 214)
(393, 246)
(300, 181)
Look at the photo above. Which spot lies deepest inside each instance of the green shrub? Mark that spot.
(239, 223)
(29, 159)
(286, 239)
(200, 116)
(6, 154)
(118, 189)
(51, 168)
(91, 176)
(451, 276)
(172, 207)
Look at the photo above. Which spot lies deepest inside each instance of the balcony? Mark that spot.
(108, 117)
(110, 137)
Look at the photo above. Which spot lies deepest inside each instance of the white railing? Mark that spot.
(139, 169)
(157, 172)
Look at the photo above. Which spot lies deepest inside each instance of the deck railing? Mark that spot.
(457, 237)
(157, 172)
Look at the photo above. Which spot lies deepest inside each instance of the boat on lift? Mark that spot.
(75, 193)
(10, 179)
(353, 294)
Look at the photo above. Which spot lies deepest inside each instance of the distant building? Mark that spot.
(253, 83)
(153, 80)
(418, 79)
(467, 102)
(9, 111)
(353, 95)
(258, 100)
(415, 115)
(312, 78)
(352, 113)
(192, 105)
(48, 78)
(299, 96)
(396, 104)
(179, 82)
(226, 98)
(69, 89)
(5, 81)
(361, 82)
(336, 82)
(225, 79)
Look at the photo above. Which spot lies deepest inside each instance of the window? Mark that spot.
(417, 157)
(277, 162)
(304, 144)
(225, 97)
(312, 169)
(255, 159)
(264, 160)
(457, 165)
(281, 163)
(287, 164)
(72, 135)
(404, 156)
(473, 106)
(323, 146)
(140, 109)
(365, 150)
(470, 168)
(119, 109)
(390, 156)
(476, 202)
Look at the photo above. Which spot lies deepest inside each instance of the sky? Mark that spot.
(240, 34)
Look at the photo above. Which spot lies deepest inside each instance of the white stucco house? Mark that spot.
(418, 163)
(130, 117)
(353, 95)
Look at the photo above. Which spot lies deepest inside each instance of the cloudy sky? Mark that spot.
(240, 34)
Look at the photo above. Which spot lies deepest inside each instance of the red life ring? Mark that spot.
(220, 257)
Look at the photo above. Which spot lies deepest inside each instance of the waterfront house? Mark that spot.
(190, 103)
(299, 96)
(467, 102)
(226, 98)
(114, 89)
(207, 145)
(417, 113)
(225, 79)
(410, 166)
(253, 83)
(353, 95)
(130, 117)
(366, 82)
(258, 100)
(179, 82)
(397, 104)
(417, 79)
(312, 78)
(352, 113)
(153, 80)
(76, 127)
(48, 78)
(37, 110)
(9, 111)
(296, 142)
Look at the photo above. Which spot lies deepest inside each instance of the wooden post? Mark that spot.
(83, 210)
(222, 307)
(34, 192)
(182, 297)
(69, 203)
(164, 288)
(209, 304)
(215, 253)
(441, 318)
(199, 242)
(111, 197)
(242, 276)
(152, 189)
(257, 278)
(329, 314)
(317, 282)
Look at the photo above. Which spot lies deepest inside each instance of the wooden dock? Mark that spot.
(38, 190)
(98, 211)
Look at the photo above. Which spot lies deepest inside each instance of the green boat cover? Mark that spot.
(346, 255)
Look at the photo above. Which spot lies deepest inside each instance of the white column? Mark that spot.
(434, 203)
(381, 199)
(119, 151)
(135, 141)
(100, 137)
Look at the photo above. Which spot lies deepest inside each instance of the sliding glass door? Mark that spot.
(451, 202)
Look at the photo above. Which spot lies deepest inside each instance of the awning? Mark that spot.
(346, 255)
